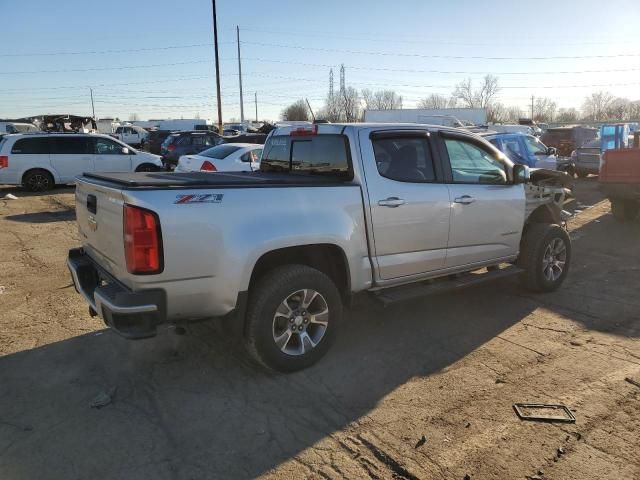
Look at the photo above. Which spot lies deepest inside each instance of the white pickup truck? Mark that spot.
(392, 211)
(131, 135)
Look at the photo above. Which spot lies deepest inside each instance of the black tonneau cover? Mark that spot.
(166, 180)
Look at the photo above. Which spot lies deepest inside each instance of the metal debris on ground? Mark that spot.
(421, 442)
(627, 379)
(541, 412)
(103, 398)
(10, 196)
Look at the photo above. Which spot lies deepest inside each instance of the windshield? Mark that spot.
(221, 151)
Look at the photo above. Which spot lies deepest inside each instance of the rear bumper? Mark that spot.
(623, 191)
(133, 315)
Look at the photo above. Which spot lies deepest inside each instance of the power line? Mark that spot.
(449, 72)
(419, 55)
(101, 52)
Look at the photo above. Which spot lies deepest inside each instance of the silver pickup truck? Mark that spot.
(393, 211)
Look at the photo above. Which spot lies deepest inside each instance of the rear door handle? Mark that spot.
(391, 202)
(464, 200)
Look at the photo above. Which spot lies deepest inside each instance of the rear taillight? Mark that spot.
(142, 241)
(171, 148)
(4, 161)
(207, 166)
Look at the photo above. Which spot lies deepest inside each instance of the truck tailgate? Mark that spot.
(100, 225)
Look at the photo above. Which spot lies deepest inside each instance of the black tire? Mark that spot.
(534, 259)
(267, 296)
(147, 167)
(624, 210)
(37, 180)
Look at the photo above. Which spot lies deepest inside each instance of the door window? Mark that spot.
(104, 146)
(70, 146)
(472, 164)
(535, 146)
(404, 159)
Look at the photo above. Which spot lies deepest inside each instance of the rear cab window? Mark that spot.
(324, 154)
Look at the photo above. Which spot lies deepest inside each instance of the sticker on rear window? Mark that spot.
(206, 198)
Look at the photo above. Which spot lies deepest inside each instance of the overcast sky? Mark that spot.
(154, 58)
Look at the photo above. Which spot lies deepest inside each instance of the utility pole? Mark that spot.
(93, 109)
(532, 97)
(215, 42)
(240, 75)
(255, 96)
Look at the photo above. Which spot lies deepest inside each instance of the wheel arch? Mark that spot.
(328, 258)
(50, 171)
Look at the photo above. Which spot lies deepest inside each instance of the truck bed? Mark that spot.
(169, 180)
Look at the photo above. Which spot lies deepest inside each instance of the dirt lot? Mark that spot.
(447, 368)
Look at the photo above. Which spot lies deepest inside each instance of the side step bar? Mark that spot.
(416, 290)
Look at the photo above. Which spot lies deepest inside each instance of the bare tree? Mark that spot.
(499, 113)
(134, 117)
(480, 98)
(437, 100)
(618, 109)
(634, 110)
(381, 100)
(351, 105)
(332, 110)
(544, 109)
(595, 106)
(296, 111)
(567, 115)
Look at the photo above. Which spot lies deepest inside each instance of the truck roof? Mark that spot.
(338, 128)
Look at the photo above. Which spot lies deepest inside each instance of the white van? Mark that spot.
(40, 161)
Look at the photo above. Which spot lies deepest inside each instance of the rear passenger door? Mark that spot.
(70, 156)
(409, 203)
(487, 209)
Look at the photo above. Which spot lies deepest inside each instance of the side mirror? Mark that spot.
(552, 151)
(521, 174)
(125, 151)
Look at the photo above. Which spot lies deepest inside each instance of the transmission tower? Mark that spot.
(342, 87)
(331, 82)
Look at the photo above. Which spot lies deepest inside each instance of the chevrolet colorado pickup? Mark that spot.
(393, 211)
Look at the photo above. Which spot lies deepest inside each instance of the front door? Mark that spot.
(487, 210)
(409, 205)
(110, 157)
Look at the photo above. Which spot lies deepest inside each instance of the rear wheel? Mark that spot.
(37, 181)
(292, 318)
(545, 255)
(624, 210)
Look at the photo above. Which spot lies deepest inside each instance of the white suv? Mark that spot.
(40, 161)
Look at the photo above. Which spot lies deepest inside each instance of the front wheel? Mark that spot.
(624, 210)
(147, 167)
(292, 318)
(545, 256)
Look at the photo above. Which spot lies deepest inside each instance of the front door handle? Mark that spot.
(464, 200)
(391, 202)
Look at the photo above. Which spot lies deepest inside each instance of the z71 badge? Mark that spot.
(205, 198)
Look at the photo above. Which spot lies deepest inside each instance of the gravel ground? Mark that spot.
(420, 390)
